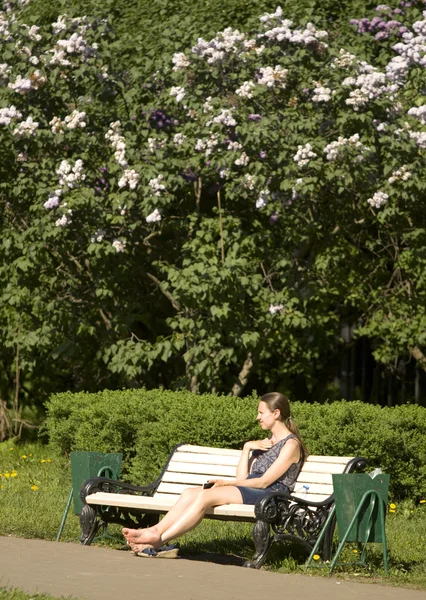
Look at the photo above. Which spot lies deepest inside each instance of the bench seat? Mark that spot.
(190, 466)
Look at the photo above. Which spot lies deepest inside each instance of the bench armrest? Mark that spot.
(103, 484)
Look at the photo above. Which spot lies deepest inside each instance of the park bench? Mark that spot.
(299, 516)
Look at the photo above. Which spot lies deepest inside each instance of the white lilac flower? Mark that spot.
(98, 237)
(225, 43)
(264, 196)
(156, 185)
(53, 201)
(75, 119)
(5, 69)
(60, 25)
(344, 60)
(419, 113)
(119, 245)
(246, 90)
(117, 142)
(419, 137)
(234, 146)
(33, 33)
(26, 128)
(309, 35)
(378, 199)
(200, 145)
(211, 143)
(272, 76)
(69, 176)
(332, 150)
(321, 94)
(23, 85)
(154, 217)
(248, 182)
(34, 60)
(64, 220)
(303, 154)
(274, 308)
(129, 178)
(178, 92)
(56, 125)
(402, 174)
(242, 161)
(207, 106)
(179, 139)
(9, 113)
(155, 144)
(224, 173)
(225, 118)
(180, 61)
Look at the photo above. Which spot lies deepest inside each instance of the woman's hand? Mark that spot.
(259, 444)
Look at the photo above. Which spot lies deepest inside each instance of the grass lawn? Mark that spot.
(35, 484)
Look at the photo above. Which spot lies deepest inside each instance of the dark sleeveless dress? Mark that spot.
(263, 460)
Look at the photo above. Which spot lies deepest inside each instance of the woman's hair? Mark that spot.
(274, 401)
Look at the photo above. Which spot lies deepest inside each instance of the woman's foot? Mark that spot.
(143, 537)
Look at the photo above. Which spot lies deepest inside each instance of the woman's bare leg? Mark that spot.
(196, 511)
(184, 516)
(152, 535)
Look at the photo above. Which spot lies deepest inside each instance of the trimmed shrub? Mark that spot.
(146, 425)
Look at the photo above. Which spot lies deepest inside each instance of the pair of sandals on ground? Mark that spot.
(169, 551)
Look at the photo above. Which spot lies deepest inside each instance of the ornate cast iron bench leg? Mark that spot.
(90, 524)
(262, 543)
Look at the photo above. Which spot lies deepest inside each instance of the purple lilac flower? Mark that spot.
(382, 35)
(52, 202)
(274, 218)
(255, 117)
(262, 154)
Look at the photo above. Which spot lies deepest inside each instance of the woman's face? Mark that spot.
(265, 417)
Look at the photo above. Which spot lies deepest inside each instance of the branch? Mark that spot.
(105, 319)
(168, 295)
(418, 355)
(243, 376)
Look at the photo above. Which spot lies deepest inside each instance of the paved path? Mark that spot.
(93, 573)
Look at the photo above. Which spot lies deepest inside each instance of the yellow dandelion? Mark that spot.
(422, 501)
(24, 456)
(48, 460)
(7, 475)
(30, 454)
(14, 474)
(11, 449)
(355, 551)
(316, 557)
(392, 510)
(43, 460)
(34, 487)
(1, 475)
(392, 505)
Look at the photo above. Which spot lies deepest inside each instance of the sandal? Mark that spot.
(170, 551)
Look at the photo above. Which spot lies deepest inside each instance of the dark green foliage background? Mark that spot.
(145, 425)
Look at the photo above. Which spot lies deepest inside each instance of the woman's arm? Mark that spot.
(289, 454)
(245, 462)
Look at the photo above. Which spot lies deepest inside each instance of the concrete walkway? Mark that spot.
(93, 573)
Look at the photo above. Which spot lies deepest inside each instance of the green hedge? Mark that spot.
(145, 425)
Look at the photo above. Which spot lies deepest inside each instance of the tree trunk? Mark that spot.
(239, 385)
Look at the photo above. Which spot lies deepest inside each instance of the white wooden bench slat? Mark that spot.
(208, 459)
(329, 459)
(216, 470)
(313, 467)
(307, 477)
(189, 478)
(163, 503)
(209, 450)
(176, 488)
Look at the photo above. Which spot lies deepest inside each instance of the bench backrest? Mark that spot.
(192, 466)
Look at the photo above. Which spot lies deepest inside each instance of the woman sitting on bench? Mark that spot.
(268, 465)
